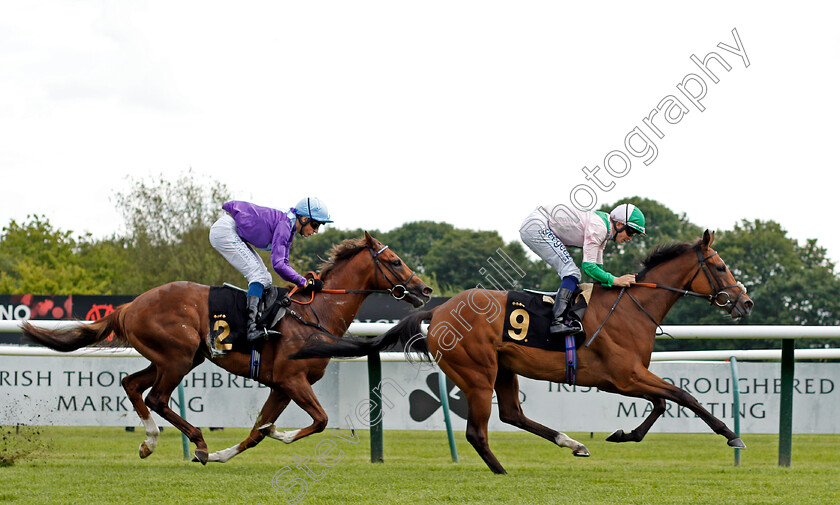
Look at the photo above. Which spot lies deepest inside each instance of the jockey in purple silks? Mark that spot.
(244, 225)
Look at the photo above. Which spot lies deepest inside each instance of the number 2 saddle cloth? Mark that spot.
(528, 315)
(229, 317)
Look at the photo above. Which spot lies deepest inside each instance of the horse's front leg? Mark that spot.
(273, 407)
(648, 385)
(639, 433)
(298, 388)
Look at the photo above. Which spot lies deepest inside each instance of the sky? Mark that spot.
(468, 112)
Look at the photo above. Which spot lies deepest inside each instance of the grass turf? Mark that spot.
(93, 466)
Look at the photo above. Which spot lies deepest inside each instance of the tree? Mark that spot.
(37, 258)
(167, 233)
(790, 284)
(414, 241)
(463, 259)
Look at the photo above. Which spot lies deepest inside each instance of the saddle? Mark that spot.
(229, 319)
(528, 315)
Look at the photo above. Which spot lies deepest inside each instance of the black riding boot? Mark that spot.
(558, 326)
(253, 332)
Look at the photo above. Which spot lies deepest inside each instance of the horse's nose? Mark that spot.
(748, 305)
(427, 291)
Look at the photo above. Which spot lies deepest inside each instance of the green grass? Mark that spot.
(100, 466)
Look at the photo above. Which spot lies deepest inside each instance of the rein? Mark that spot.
(712, 298)
(398, 291)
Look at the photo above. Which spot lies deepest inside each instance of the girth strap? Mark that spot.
(254, 372)
(571, 360)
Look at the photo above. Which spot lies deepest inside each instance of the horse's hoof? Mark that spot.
(737, 443)
(617, 436)
(201, 456)
(581, 451)
(145, 452)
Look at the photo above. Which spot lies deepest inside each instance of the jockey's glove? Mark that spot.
(313, 285)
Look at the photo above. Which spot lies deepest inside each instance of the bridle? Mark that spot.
(720, 297)
(397, 290)
(716, 298)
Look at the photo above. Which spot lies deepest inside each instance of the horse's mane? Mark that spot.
(340, 252)
(663, 254)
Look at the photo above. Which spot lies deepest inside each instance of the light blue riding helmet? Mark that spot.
(314, 209)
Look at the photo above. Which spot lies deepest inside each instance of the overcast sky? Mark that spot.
(469, 112)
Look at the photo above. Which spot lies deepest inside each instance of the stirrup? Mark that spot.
(561, 330)
(262, 334)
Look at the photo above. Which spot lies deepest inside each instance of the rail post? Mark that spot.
(375, 381)
(736, 405)
(182, 406)
(444, 403)
(786, 403)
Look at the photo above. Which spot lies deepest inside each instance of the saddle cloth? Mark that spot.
(229, 316)
(528, 315)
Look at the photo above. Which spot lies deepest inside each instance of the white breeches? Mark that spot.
(536, 234)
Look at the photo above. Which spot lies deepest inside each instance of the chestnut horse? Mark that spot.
(465, 338)
(169, 325)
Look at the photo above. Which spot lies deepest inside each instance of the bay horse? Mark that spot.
(465, 339)
(169, 325)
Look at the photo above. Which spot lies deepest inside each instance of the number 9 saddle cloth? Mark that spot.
(528, 315)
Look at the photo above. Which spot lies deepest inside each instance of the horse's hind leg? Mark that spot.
(510, 412)
(274, 405)
(477, 418)
(134, 386)
(158, 401)
(477, 385)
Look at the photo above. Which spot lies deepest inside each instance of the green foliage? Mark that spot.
(37, 258)
(168, 224)
(166, 239)
(414, 241)
(457, 259)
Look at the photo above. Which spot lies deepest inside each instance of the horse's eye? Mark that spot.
(396, 263)
(721, 268)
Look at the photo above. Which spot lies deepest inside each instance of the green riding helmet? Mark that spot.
(631, 216)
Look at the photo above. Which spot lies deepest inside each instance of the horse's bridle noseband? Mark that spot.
(718, 291)
(398, 291)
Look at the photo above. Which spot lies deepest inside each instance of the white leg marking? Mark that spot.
(577, 448)
(152, 432)
(225, 455)
(285, 436)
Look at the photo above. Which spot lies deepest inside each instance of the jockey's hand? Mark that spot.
(313, 285)
(625, 281)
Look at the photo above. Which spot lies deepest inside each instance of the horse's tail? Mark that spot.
(74, 337)
(406, 332)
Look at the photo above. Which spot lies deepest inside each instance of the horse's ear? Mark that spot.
(369, 239)
(708, 238)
